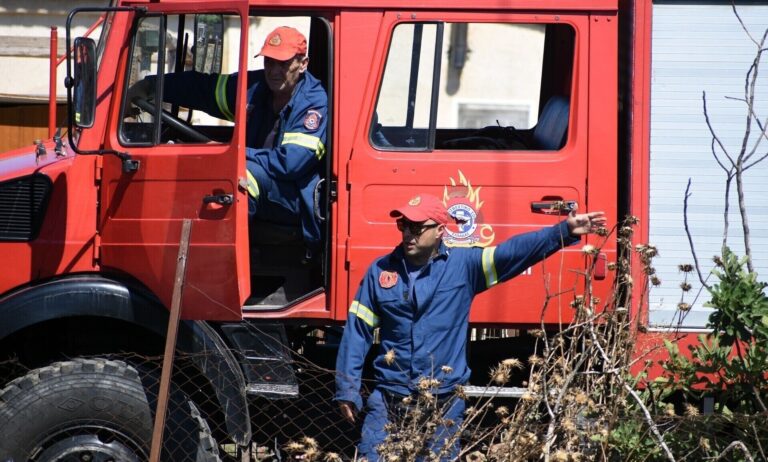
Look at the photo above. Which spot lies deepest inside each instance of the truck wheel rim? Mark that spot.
(88, 448)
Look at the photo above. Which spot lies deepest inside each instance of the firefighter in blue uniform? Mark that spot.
(419, 296)
(286, 127)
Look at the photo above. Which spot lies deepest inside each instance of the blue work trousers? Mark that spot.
(263, 209)
(383, 407)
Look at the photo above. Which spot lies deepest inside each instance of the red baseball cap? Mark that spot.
(283, 44)
(422, 208)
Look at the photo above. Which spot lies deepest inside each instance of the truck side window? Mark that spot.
(166, 51)
(491, 86)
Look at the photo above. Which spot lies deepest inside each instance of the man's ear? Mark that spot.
(304, 63)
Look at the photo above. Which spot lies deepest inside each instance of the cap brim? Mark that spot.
(410, 213)
(280, 55)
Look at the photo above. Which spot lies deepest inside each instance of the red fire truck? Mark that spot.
(504, 109)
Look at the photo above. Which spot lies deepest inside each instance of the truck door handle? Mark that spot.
(553, 207)
(219, 199)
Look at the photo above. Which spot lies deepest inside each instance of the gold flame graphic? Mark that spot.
(473, 195)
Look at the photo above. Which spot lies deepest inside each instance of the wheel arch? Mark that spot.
(99, 296)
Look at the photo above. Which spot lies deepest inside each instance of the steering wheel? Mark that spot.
(174, 122)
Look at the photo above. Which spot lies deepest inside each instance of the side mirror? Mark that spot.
(84, 99)
(209, 39)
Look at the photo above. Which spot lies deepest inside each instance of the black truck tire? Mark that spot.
(96, 410)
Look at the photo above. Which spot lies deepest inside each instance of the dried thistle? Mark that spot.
(513, 363)
(612, 266)
(655, 280)
(589, 250)
(691, 410)
(389, 357)
(500, 374)
(538, 333)
(704, 443)
(446, 369)
(534, 360)
(685, 286)
(332, 457)
(293, 447)
(502, 411)
(685, 267)
(460, 392)
(309, 442)
(685, 307)
(718, 261)
(569, 425)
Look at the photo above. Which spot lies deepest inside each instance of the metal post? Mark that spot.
(170, 343)
(52, 82)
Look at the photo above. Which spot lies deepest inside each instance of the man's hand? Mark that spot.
(348, 411)
(585, 223)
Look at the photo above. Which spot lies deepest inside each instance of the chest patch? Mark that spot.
(312, 120)
(387, 279)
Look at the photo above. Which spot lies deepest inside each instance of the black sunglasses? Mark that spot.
(413, 227)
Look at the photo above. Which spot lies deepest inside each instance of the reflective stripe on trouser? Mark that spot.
(378, 409)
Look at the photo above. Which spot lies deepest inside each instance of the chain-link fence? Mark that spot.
(103, 408)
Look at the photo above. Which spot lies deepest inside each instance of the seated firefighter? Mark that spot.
(285, 132)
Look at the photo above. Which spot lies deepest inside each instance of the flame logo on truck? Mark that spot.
(464, 204)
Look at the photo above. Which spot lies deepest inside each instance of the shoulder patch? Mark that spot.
(387, 279)
(312, 120)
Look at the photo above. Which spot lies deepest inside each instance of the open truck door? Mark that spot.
(507, 152)
(167, 169)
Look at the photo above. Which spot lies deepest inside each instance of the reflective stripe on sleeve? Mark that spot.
(253, 186)
(364, 313)
(489, 267)
(310, 142)
(221, 96)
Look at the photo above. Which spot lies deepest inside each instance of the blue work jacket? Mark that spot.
(427, 328)
(293, 162)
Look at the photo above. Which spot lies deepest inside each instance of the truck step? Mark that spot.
(474, 391)
(272, 390)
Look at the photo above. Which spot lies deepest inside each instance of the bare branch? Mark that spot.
(715, 138)
(731, 447)
(743, 26)
(688, 233)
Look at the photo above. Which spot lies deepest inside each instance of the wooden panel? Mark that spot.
(20, 125)
(11, 45)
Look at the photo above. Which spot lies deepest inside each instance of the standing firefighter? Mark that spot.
(419, 296)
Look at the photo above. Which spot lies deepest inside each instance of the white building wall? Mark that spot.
(701, 48)
(25, 43)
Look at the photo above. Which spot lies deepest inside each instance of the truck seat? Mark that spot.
(551, 130)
